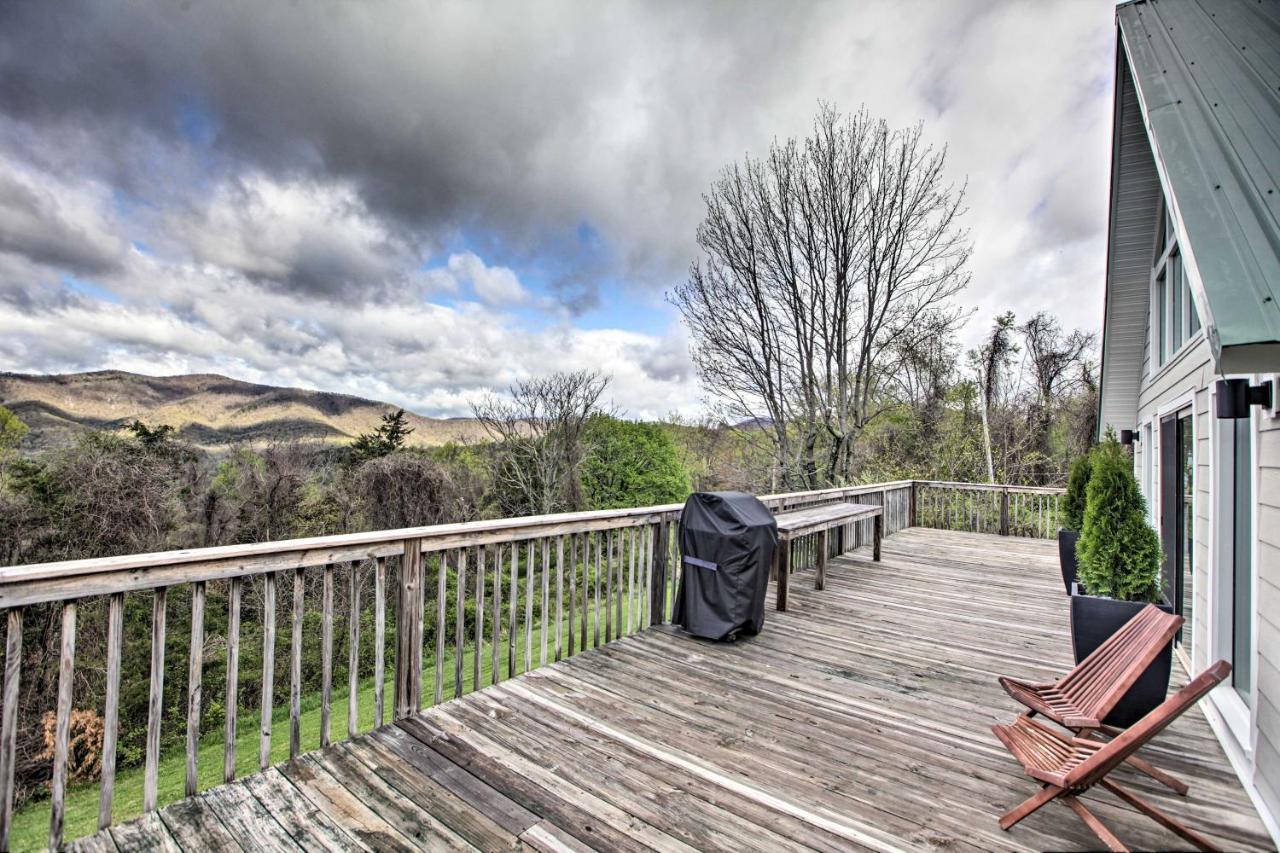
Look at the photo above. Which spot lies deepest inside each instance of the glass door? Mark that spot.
(1177, 524)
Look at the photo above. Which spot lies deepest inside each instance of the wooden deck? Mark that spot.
(803, 737)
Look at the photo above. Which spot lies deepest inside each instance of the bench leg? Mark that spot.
(820, 577)
(784, 573)
(878, 535)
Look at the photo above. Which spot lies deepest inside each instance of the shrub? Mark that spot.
(1118, 551)
(631, 464)
(1073, 503)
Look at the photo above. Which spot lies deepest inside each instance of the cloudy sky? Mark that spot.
(417, 201)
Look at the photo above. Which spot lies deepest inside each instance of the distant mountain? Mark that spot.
(754, 423)
(209, 410)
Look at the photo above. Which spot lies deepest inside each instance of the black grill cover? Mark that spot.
(726, 545)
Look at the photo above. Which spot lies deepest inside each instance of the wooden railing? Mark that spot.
(495, 598)
(1028, 511)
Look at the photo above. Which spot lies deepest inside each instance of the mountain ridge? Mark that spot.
(210, 410)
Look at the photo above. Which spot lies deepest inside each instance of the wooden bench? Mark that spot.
(819, 519)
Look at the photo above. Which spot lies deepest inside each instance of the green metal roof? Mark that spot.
(1208, 79)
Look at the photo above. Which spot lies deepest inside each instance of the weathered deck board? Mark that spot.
(859, 719)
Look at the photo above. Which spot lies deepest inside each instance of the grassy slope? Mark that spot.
(30, 829)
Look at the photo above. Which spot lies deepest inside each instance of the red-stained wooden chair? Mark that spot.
(1068, 766)
(1082, 698)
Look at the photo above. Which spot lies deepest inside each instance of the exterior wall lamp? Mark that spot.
(1235, 396)
(1129, 437)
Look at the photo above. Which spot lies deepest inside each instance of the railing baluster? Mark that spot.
(410, 594)
(495, 648)
(267, 702)
(195, 688)
(513, 595)
(584, 541)
(546, 597)
(631, 579)
(326, 653)
(608, 604)
(442, 591)
(9, 720)
(62, 725)
(621, 564)
(233, 679)
(295, 665)
(460, 621)
(481, 579)
(573, 588)
(155, 701)
(528, 605)
(380, 640)
(646, 589)
(111, 710)
(353, 651)
(559, 590)
(595, 609)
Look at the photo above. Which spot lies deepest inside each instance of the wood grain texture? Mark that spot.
(62, 724)
(9, 719)
(233, 680)
(295, 664)
(856, 720)
(265, 702)
(155, 701)
(111, 709)
(326, 654)
(195, 686)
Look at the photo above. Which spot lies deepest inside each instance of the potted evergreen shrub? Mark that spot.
(1073, 504)
(1119, 564)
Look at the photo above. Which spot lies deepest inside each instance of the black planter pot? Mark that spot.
(1067, 556)
(1093, 620)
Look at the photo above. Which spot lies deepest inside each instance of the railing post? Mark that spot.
(408, 662)
(658, 575)
(1004, 511)
(911, 505)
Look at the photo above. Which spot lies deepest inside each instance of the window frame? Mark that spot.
(1175, 321)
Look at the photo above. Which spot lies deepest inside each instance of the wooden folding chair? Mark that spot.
(1082, 698)
(1068, 766)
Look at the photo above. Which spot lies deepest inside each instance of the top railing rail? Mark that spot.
(55, 581)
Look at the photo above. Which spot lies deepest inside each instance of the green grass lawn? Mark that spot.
(30, 830)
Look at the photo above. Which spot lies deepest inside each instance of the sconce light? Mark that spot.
(1235, 396)
(1128, 437)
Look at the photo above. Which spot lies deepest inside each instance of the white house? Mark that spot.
(1192, 298)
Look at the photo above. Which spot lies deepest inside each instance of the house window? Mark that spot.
(1174, 312)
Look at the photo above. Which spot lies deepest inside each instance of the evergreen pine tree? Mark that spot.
(1118, 551)
(389, 437)
(1073, 503)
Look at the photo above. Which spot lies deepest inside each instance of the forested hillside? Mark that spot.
(208, 411)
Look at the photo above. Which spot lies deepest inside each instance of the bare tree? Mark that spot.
(1058, 364)
(991, 364)
(538, 430)
(408, 490)
(817, 262)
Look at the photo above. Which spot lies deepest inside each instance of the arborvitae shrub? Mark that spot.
(1118, 551)
(1073, 503)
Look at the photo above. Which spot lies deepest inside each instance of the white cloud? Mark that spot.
(496, 286)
